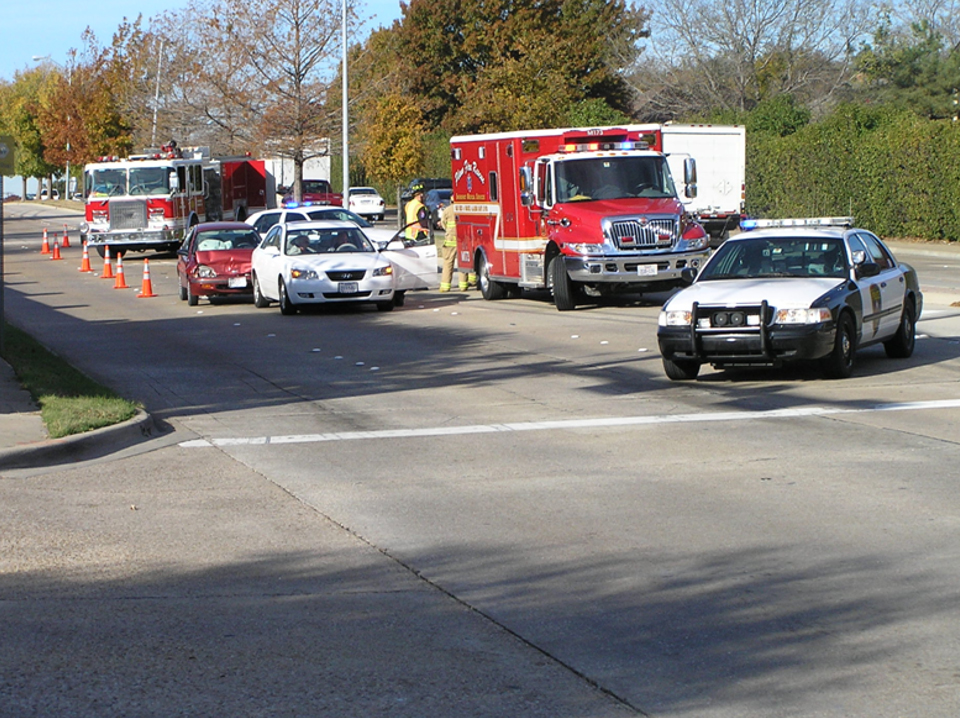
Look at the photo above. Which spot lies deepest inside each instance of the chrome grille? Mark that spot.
(128, 215)
(639, 234)
(350, 275)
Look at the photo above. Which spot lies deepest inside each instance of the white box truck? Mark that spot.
(720, 152)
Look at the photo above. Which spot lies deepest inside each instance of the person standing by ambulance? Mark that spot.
(417, 217)
(447, 248)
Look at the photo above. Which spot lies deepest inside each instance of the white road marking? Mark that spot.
(568, 424)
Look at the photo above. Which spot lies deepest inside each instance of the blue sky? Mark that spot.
(53, 27)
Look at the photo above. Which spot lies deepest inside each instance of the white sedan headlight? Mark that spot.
(675, 318)
(383, 271)
(803, 316)
(297, 273)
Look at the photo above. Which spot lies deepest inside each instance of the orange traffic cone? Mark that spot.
(121, 282)
(85, 262)
(56, 250)
(66, 238)
(147, 289)
(107, 268)
(45, 248)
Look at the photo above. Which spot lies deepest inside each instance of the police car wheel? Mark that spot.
(902, 344)
(838, 364)
(680, 370)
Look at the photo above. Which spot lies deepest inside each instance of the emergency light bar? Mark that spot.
(598, 146)
(747, 224)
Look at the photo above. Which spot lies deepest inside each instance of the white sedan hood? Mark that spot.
(779, 292)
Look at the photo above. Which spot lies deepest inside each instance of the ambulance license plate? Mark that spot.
(647, 270)
(349, 288)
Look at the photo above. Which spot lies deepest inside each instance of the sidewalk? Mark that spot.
(20, 422)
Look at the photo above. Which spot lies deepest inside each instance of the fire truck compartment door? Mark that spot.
(414, 267)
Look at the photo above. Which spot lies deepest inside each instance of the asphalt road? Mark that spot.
(751, 544)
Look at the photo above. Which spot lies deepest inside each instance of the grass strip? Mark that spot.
(70, 402)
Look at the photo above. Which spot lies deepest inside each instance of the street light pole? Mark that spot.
(346, 114)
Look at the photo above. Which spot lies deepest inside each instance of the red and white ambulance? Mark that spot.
(149, 201)
(585, 212)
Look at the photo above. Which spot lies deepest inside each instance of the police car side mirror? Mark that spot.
(688, 275)
(868, 269)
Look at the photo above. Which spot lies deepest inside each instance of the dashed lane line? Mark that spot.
(561, 425)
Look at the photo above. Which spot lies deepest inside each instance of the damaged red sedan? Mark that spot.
(214, 261)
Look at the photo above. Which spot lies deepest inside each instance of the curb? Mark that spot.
(81, 447)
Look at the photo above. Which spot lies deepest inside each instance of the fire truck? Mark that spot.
(584, 212)
(149, 201)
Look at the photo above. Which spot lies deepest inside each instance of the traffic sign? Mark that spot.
(7, 160)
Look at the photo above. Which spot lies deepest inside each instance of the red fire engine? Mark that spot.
(583, 212)
(149, 201)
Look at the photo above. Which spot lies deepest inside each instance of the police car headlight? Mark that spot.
(383, 271)
(675, 318)
(297, 273)
(803, 316)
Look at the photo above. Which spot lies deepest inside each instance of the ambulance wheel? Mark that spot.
(564, 289)
(490, 289)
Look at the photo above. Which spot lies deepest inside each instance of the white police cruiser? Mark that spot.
(792, 290)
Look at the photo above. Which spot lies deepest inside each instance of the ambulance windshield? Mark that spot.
(600, 178)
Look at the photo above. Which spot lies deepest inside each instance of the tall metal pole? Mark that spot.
(346, 114)
(156, 98)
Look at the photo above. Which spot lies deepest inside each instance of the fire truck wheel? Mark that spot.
(490, 290)
(259, 301)
(564, 290)
(286, 306)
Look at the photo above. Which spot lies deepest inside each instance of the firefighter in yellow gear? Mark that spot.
(417, 217)
(447, 249)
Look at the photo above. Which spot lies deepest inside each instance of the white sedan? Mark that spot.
(366, 202)
(320, 262)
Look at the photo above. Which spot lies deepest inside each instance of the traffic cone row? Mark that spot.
(120, 282)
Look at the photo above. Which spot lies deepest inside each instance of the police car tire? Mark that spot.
(680, 370)
(902, 343)
(838, 364)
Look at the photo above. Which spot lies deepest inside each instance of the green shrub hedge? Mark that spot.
(896, 173)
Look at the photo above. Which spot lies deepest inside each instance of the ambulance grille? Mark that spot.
(128, 214)
(634, 234)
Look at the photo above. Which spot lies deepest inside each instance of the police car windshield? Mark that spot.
(777, 257)
(612, 178)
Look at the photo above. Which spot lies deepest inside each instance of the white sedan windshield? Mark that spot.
(325, 241)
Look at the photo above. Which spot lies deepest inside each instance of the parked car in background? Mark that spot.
(264, 220)
(812, 290)
(436, 201)
(214, 261)
(366, 202)
(315, 191)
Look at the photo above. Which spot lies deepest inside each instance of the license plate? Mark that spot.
(237, 282)
(349, 288)
(647, 270)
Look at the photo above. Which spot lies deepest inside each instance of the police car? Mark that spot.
(792, 290)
